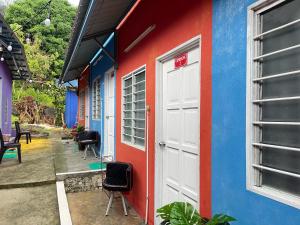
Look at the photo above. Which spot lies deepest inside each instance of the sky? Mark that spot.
(73, 2)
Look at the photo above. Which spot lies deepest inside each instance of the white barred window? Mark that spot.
(133, 109)
(96, 99)
(81, 106)
(273, 108)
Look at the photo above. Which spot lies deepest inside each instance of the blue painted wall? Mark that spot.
(98, 70)
(71, 108)
(229, 194)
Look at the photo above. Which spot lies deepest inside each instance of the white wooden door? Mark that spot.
(109, 126)
(87, 109)
(181, 131)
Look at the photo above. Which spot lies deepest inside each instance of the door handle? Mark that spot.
(162, 144)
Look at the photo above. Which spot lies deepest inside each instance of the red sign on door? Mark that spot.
(181, 60)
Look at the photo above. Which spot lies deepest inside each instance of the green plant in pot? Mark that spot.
(80, 128)
(183, 213)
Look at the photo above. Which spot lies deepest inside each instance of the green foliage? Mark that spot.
(80, 128)
(45, 54)
(183, 213)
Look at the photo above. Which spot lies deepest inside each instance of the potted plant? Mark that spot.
(183, 213)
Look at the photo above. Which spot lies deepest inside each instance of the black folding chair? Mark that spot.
(89, 140)
(19, 133)
(119, 178)
(4, 146)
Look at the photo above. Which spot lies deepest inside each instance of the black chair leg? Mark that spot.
(1, 155)
(19, 154)
(27, 138)
(30, 137)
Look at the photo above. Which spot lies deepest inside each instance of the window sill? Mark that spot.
(280, 196)
(134, 146)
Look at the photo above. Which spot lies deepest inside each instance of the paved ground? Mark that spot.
(28, 190)
(88, 208)
(29, 206)
(69, 159)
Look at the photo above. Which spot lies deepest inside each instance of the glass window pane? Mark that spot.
(139, 114)
(139, 142)
(140, 77)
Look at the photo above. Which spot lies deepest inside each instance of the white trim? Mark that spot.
(132, 74)
(252, 142)
(190, 44)
(64, 212)
(292, 73)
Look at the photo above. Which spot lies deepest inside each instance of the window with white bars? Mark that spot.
(81, 102)
(134, 108)
(96, 99)
(273, 108)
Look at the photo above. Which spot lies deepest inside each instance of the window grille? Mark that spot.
(96, 99)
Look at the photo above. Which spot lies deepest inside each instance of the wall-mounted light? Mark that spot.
(27, 39)
(47, 22)
(2, 59)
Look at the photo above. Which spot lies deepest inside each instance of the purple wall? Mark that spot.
(6, 103)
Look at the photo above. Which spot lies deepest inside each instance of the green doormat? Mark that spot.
(97, 166)
(10, 154)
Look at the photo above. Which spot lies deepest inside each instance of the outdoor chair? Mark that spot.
(4, 146)
(89, 140)
(19, 133)
(119, 178)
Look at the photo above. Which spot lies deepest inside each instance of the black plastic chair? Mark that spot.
(119, 178)
(4, 146)
(89, 140)
(19, 133)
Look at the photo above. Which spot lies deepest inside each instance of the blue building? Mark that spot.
(71, 107)
(255, 129)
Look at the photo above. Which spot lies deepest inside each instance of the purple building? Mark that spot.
(13, 66)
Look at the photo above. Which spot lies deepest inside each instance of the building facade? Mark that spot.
(5, 98)
(163, 103)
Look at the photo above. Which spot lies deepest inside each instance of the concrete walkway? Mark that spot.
(27, 190)
(89, 208)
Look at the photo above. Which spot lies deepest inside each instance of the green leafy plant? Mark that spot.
(183, 213)
(80, 128)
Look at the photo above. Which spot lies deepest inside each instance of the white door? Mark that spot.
(109, 126)
(180, 146)
(87, 109)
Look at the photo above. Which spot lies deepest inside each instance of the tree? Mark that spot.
(45, 53)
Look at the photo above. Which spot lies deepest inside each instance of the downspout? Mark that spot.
(147, 165)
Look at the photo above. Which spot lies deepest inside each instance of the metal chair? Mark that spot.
(89, 140)
(119, 178)
(4, 146)
(19, 133)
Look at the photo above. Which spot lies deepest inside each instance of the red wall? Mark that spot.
(82, 84)
(176, 22)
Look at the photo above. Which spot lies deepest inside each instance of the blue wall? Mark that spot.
(71, 108)
(99, 70)
(229, 194)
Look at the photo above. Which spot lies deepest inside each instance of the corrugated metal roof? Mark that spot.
(96, 19)
(16, 60)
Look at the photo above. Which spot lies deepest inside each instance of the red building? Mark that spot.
(166, 59)
(83, 99)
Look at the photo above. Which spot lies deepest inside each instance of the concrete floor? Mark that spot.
(69, 159)
(36, 167)
(27, 190)
(89, 208)
(29, 206)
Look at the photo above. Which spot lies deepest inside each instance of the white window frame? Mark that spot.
(81, 104)
(96, 98)
(132, 74)
(252, 177)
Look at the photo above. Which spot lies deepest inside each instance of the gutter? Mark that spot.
(83, 28)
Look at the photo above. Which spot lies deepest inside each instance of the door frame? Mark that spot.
(87, 107)
(106, 108)
(186, 46)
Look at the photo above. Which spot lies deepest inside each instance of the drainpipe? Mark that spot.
(147, 164)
